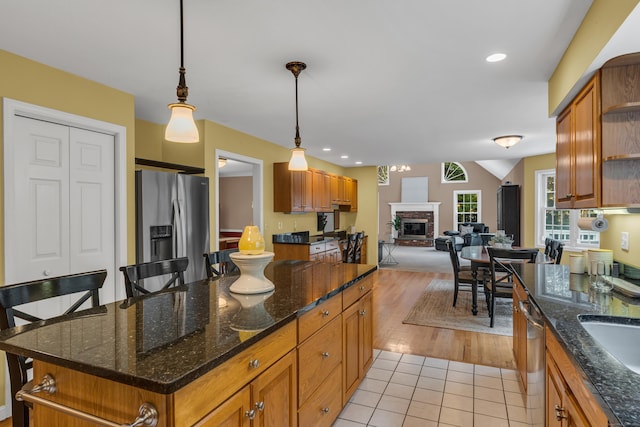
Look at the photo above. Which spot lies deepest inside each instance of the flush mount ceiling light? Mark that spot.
(400, 168)
(297, 162)
(181, 127)
(507, 141)
(496, 57)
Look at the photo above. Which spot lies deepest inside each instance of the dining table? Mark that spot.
(480, 261)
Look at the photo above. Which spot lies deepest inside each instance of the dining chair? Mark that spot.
(84, 285)
(502, 268)
(135, 275)
(350, 251)
(462, 275)
(555, 251)
(358, 247)
(223, 260)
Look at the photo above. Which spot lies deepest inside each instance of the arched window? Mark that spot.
(453, 172)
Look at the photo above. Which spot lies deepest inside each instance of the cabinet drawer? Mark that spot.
(324, 406)
(318, 355)
(317, 248)
(355, 291)
(332, 244)
(191, 404)
(318, 316)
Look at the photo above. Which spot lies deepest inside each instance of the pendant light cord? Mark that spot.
(182, 90)
(181, 37)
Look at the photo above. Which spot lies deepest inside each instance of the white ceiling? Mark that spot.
(387, 81)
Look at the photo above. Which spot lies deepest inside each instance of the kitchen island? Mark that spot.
(196, 349)
(562, 296)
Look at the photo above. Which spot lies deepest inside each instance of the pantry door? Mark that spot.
(59, 205)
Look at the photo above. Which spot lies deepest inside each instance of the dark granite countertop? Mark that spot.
(561, 296)
(164, 341)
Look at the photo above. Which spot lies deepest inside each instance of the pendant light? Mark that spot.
(182, 127)
(297, 162)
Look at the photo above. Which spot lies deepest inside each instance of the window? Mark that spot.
(453, 172)
(466, 207)
(560, 224)
(383, 175)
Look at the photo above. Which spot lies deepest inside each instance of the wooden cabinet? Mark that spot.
(328, 251)
(508, 201)
(264, 372)
(620, 130)
(569, 402)
(578, 150)
(320, 362)
(313, 190)
(520, 333)
(357, 337)
(270, 400)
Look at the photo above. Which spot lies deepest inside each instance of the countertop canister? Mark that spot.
(576, 263)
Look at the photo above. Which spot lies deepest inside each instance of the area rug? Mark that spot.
(434, 308)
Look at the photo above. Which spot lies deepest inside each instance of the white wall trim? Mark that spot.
(258, 190)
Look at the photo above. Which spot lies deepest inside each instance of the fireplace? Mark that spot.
(419, 223)
(414, 228)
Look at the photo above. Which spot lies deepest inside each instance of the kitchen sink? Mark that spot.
(618, 335)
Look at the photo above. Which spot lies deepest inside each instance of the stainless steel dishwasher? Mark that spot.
(536, 401)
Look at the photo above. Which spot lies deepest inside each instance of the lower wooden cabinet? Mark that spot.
(268, 401)
(357, 337)
(325, 404)
(569, 402)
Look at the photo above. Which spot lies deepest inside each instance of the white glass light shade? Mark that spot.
(182, 127)
(507, 140)
(298, 162)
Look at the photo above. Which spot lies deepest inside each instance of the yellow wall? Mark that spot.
(27, 81)
(215, 136)
(601, 22)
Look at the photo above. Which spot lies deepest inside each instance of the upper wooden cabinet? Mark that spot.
(620, 130)
(313, 190)
(578, 150)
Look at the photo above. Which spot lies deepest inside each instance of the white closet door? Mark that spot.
(37, 204)
(92, 213)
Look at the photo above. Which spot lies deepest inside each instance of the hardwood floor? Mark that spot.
(394, 295)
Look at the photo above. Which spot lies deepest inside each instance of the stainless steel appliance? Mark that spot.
(172, 220)
(536, 390)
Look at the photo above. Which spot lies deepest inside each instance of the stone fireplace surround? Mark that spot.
(417, 211)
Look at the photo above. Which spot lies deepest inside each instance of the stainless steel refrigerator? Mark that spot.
(172, 220)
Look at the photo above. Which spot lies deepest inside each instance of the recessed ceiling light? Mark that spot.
(344, 156)
(326, 149)
(358, 162)
(496, 57)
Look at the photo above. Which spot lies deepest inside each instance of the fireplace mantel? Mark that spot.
(419, 207)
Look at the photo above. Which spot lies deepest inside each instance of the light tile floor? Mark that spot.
(403, 390)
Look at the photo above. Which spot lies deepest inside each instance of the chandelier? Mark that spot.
(400, 168)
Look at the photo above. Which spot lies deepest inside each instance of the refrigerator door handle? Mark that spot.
(181, 232)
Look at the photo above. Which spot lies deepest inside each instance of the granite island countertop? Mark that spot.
(561, 296)
(162, 342)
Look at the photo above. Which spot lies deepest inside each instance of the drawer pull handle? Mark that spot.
(46, 272)
(362, 288)
(325, 410)
(254, 363)
(325, 354)
(259, 406)
(147, 413)
(363, 312)
(325, 313)
(560, 413)
(251, 414)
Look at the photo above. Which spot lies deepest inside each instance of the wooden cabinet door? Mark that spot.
(520, 333)
(334, 187)
(321, 191)
(234, 412)
(555, 390)
(587, 147)
(274, 394)
(564, 159)
(357, 337)
(366, 317)
(354, 195)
